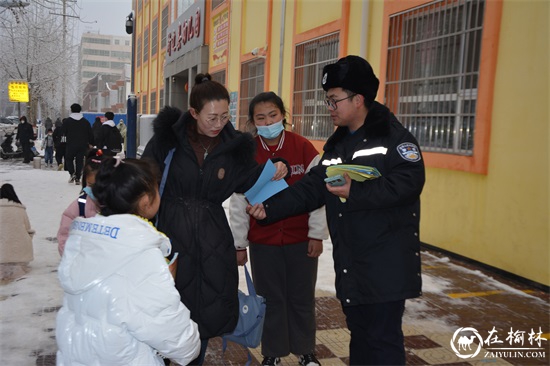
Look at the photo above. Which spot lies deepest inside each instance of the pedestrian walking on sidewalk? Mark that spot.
(80, 138)
(283, 255)
(120, 306)
(25, 136)
(59, 143)
(111, 139)
(210, 161)
(85, 205)
(96, 129)
(374, 224)
(16, 249)
(47, 146)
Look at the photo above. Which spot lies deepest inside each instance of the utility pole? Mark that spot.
(63, 77)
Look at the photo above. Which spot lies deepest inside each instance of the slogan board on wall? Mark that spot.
(18, 91)
(186, 33)
(233, 100)
(220, 38)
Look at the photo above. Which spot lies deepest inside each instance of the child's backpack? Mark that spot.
(114, 141)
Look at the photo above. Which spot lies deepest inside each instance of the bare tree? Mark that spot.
(34, 48)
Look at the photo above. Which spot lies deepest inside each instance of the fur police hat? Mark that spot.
(354, 74)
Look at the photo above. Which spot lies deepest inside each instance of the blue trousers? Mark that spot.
(376, 334)
(48, 155)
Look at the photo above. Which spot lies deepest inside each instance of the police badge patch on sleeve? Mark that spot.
(409, 151)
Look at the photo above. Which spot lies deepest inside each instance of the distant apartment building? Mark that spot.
(103, 59)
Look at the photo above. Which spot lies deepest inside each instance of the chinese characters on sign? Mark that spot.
(18, 91)
(220, 36)
(516, 344)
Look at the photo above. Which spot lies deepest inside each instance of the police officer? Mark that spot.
(375, 226)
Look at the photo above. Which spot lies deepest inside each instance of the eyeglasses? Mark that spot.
(222, 119)
(333, 103)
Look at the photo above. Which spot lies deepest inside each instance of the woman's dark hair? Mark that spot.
(119, 184)
(92, 164)
(97, 119)
(23, 118)
(206, 90)
(265, 97)
(7, 191)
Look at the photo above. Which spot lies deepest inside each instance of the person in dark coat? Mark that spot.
(59, 143)
(374, 225)
(96, 128)
(48, 123)
(80, 138)
(25, 135)
(211, 161)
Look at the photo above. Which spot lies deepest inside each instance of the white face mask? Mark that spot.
(272, 131)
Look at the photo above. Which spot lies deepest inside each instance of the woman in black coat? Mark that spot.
(211, 161)
(25, 134)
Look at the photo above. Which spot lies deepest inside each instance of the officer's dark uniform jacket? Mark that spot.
(375, 233)
(192, 216)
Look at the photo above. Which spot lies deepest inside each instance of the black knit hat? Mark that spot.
(353, 73)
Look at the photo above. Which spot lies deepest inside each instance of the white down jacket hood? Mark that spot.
(120, 305)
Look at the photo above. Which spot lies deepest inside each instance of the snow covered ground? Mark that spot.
(28, 306)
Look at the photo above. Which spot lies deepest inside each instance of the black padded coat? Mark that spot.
(375, 233)
(192, 216)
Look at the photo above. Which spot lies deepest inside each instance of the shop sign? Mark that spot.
(186, 33)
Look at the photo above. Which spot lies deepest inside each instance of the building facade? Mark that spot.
(102, 57)
(465, 76)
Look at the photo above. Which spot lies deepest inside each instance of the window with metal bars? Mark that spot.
(138, 58)
(433, 71)
(164, 27)
(219, 77)
(310, 117)
(144, 104)
(154, 37)
(153, 103)
(146, 45)
(252, 83)
(161, 99)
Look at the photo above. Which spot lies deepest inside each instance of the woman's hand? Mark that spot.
(281, 171)
(257, 211)
(314, 248)
(242, 257)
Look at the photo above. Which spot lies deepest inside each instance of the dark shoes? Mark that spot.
(72, 178)
(309, 360)
(271, 361)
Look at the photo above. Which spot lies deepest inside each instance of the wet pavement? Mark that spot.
(505, 322)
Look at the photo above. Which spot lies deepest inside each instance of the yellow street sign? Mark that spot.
(18, 91)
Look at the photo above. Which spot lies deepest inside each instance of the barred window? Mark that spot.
(153, 105)
(91, 51)
(144, 104)
(219, 77)
(164, 27)
(154, 37)
(310, 116)
(252, 83)
(138, 58)
(433, 71)
(146, 45)
(161, 99)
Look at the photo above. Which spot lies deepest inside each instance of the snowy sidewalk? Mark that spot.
(455, 295)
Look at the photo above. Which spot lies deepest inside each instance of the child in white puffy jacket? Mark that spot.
(120, 305)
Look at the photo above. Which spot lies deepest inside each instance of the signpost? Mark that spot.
(18, 91)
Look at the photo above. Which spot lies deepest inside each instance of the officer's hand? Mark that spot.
(341, 191)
